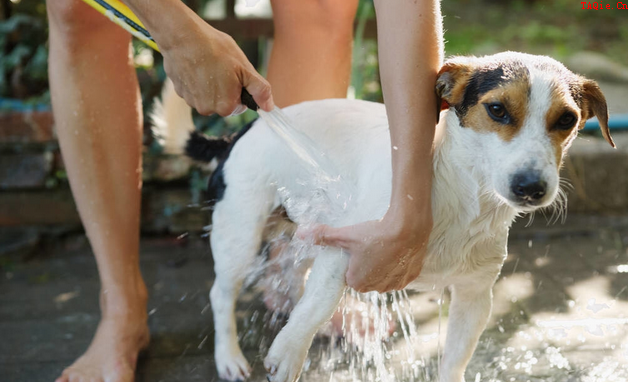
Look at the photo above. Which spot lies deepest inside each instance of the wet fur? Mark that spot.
(471, 205)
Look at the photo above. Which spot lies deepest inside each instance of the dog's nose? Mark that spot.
(529, 186)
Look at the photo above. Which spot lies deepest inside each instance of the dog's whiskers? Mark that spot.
(559, 206)
(530, 219)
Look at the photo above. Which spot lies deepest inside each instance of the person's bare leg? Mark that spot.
(96, 104)
(311, 56)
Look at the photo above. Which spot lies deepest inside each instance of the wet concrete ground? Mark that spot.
(560, 314)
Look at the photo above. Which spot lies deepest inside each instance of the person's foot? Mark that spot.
(112, 355)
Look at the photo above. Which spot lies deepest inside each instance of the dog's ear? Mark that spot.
(594, 104)
(451, 82)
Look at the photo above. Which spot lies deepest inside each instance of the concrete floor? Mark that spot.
(561, 312)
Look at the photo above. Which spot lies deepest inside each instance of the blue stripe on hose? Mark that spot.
(126, 20)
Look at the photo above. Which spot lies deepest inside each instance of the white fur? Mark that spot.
(470, 205)
(467, 246)
(171, 119)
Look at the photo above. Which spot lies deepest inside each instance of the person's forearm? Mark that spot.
(166, 20)
(410, 53)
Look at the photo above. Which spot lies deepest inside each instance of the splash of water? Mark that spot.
(300, 144)
(364, 352)
(331, 194)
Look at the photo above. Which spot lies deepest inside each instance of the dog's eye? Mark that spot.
(566, 121)
(497, 112)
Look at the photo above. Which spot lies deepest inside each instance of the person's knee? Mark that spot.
(332, 15)
(74, 22)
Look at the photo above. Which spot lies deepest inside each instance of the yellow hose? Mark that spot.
(120, 14)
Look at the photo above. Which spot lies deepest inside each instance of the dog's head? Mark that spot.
(522, 112)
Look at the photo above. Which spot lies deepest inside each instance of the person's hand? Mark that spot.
(207, 67)
(385, 255)
(209, 70)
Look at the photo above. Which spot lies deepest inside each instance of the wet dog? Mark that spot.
(508, 123)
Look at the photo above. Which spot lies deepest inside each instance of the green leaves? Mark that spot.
(23, 54)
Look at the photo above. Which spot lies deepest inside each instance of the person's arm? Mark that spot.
(207, 67)
(388, 254)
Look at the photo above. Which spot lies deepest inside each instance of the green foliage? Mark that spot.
(23, 53)
(557, 28)
(365, 66)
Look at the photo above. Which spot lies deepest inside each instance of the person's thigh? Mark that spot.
(309, 13)
(311, 57)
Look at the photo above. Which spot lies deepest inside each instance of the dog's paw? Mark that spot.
(284, 364)
(232, 366)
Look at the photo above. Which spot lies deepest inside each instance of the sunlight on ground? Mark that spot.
(587, 342)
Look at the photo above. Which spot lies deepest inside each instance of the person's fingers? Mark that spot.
(408, 279)
(326, 235)
(229, 101)
(313, 234)
(353, 281)
(260, 89)
(369, 287)
(364, 280)
(356, 278)
(224, 109)
(202, 109)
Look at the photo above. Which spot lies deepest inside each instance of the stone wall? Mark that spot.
(34, 191)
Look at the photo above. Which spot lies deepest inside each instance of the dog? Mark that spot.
(506, 122)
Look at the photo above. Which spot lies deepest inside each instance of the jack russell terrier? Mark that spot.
(508, 123)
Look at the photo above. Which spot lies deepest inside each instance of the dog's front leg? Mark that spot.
(468, 314)
(323, 291)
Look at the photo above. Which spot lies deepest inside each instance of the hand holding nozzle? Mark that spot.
(247, 100)
(209, 79)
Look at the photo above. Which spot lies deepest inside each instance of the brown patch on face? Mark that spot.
(562, 104)
(513, 95)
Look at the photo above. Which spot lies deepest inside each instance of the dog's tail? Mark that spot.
(174, 129)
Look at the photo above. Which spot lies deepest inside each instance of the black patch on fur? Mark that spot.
(202, 148)
(482, 81)
(216, 185)
(487, 78)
